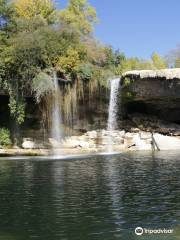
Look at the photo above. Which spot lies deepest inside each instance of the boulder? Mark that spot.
(166, 142)
(145, 135)
(122, 133)
(91, 134)
(141, 144)
(72, 142)
(119, 140)
(129, 135)
(28, 143)
(54, 143)
(84, 144)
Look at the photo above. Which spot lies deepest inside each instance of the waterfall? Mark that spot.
(113, 110)
(113, 105)
(56, 115)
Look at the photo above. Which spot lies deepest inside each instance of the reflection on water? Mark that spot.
(97, 198)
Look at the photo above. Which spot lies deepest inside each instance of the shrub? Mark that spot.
(85, 71)
(42, 85)
(4, 137)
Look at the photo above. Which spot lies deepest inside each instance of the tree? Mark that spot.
(70, 62)
(133, 64)
(173, 57)
(177, 63)
(113, 58)
(79, 16)
(28, 9)
(158, 62)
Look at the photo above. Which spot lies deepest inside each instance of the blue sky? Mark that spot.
(137, 27)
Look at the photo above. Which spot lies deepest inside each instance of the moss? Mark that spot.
(126, 82)
(127, 93)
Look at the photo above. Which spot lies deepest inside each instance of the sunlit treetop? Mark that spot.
(30, 8)
(80, 15)
(158, 61)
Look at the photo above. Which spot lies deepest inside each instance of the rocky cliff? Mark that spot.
(154, 94)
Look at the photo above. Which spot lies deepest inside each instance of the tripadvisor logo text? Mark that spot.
(140, 231)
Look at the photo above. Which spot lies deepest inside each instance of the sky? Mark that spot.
(137, 27)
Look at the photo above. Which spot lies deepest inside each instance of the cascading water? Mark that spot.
(56, 115)
(113, 110)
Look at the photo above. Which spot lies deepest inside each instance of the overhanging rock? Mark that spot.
(155, 92)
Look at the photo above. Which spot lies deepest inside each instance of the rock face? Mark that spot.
(153, 92)
(122, 141)
(153, 124)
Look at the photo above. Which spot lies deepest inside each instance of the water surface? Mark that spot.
(95, 198)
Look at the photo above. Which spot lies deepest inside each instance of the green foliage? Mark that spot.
(113, 59)
(42, 85)
(127, 82)
(4, 137)
(85, 71)
(70, 62)
(128, 64)
(17, 109)
(29, 9)
(133, 64)
(36, 38)
(158, 62)
(79, 16)
(177, 63)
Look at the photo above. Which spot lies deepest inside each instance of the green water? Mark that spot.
(95, 198)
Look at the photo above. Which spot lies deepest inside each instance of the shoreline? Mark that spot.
(97, 142)
(46, 153)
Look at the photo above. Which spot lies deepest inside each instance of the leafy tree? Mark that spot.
(177, 63)
(36, 39)
(158, 62)
(70, 62)
(28, 9)
(173, 57)
(79, 16)
(5, 12)
(113, 59)
(133, 64)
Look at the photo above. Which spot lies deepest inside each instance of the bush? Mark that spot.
(4, 137)
(85, 71)
(42, 85)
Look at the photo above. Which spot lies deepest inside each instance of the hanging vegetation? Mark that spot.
(37, 39)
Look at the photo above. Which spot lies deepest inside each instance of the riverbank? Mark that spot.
(100, 141)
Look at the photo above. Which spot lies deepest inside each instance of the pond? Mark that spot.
(91, 198)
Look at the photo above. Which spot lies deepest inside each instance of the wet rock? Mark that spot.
(145, 135)
(166, 142)
(119, 140)
(91, 134)
(129, 135)
(141, 144)
(122, 133)
(54, 143)
(76, 142)
(70, 143)
(84, 144)
(28, 143)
